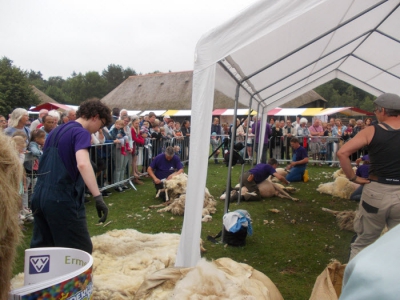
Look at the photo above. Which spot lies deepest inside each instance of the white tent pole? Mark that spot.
(257, 143)
(233, 137)
(202, 103)
(264, 120)
(245, 147)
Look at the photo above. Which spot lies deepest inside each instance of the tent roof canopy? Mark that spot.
(274, 51)
(358, 43)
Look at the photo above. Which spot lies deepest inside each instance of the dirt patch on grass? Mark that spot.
(289, 271)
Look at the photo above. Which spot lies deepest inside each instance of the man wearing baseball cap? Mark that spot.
(380, 199)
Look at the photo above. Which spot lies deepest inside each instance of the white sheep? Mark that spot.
(268, 189)
(341, 187)
(176, 190)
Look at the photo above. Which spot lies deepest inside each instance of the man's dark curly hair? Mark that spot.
(93, 107)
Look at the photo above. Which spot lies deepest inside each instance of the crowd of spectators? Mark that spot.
(128, 146)
(321, 139)
(120, 152)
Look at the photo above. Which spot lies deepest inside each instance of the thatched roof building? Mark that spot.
(43, 98)
(307, 100)
(171, 91)
(159, 91)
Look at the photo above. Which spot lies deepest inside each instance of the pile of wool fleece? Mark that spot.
(222, 279)
(122, 259)
(132, 265)
(340, 173)
(177, 194)
(341, 187)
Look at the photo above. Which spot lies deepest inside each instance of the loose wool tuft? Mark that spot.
(345, 219)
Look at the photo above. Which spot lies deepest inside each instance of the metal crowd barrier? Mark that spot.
(320, 149)
(113, 169)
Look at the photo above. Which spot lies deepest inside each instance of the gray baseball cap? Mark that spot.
(389, 101)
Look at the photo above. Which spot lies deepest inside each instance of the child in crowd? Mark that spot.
(323, 146)
(165, 139)
(118, 133)
(146, 124)
(36, 142)
(249, 144)
(157, 139)
(147, 152)
(177, 130)
(348, 132)
(214, 145)
(177, 150)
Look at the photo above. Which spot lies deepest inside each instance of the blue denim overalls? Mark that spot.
(58, 201)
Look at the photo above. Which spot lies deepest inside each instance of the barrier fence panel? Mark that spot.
(320, 149)
(111, 164)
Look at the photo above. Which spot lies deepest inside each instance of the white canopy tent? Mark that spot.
(276, 50)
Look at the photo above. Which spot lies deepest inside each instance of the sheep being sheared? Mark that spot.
(267, 189)
(341, 187)
(176, 190)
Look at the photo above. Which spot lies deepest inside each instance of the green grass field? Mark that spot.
(291, 253)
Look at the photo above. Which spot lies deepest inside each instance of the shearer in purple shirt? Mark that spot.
(256, 127)
(164, 167)
(258, 174)
(362, 171)
(58, 199)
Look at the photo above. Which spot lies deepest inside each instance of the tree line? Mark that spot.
(339, 93)
(16, 91)
(79, 87)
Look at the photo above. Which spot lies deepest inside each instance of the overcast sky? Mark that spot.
(57, 37)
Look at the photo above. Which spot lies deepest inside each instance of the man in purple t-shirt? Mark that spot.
(65, 168)
(299, 161)
(258, 174)
(163, 167)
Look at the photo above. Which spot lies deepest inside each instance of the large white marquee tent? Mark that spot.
(276, 50)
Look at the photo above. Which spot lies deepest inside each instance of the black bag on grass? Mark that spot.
(236, 239)
(237, 225)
